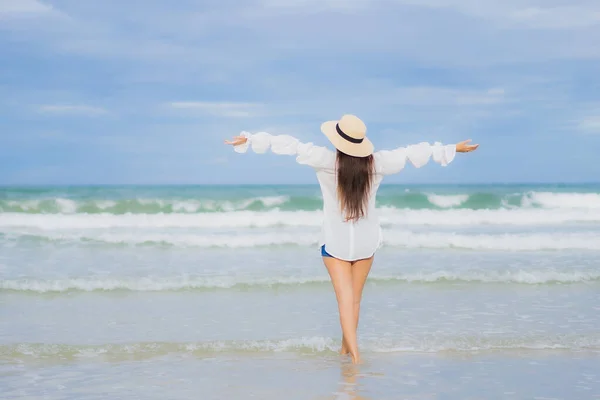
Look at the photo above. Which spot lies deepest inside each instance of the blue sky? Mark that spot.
(119, 91)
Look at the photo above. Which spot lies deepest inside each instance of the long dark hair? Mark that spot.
(354, 178)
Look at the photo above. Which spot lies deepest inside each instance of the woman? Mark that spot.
(349, 179)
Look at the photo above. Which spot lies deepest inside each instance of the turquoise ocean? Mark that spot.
(219, 292)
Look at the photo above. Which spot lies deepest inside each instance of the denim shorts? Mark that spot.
(324, 252)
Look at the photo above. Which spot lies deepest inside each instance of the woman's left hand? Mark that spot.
(237, 140)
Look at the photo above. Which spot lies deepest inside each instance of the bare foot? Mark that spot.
(355, 359)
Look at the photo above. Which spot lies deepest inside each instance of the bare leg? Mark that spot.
(341, 277)
(360, 271)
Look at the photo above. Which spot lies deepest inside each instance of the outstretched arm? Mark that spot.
(393, 161)
(306, 153)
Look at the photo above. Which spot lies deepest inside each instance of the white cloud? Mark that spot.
(441, 96)
(374, 99)
(301, 62)
(522, 13)
(590, 124)
(203, 40)
(314, 6)
(12, 7)
(518, 13)
(219, 109)
(557, 17)
(60, 109)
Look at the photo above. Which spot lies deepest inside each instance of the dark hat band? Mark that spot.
(348, 138)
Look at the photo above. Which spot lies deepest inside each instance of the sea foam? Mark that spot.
(302, 345)
(179, 283)
(410, 200)
(273, 218)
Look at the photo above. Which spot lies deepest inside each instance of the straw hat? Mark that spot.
(348, 135)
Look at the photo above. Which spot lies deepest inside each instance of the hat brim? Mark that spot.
(363, 149)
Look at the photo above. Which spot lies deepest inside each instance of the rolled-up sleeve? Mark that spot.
(393, 161)
(306, 153)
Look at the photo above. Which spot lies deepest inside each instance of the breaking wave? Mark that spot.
(183, 283)
(391, 238)
(302, 345)
(405, 201)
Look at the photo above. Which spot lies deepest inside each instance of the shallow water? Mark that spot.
(479, 292)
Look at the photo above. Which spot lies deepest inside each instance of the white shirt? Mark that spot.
(353, 240)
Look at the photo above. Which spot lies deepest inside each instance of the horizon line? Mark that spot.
(6, 185)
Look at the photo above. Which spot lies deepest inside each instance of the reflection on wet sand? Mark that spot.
(350, 385)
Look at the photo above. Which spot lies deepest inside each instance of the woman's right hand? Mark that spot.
(464, 147)
(237, 140)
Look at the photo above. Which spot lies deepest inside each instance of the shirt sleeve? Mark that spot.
(306, 153)
(393, 161)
